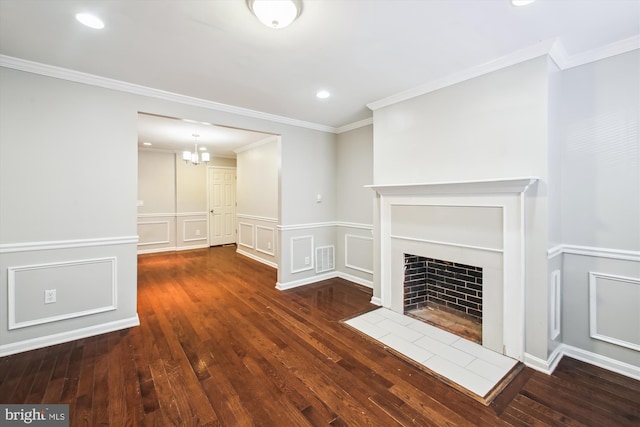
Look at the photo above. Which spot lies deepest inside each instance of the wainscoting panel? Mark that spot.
(614, 309)
(82, 287)
(245, 235)
(265, 239)
(358, 253)
(194, 230)
(301, 254)
(154, 233)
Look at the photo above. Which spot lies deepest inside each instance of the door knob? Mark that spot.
(211, 211)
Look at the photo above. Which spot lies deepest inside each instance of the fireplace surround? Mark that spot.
(478, 223)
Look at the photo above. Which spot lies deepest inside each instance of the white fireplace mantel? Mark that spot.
(492, 186)
(505, 333)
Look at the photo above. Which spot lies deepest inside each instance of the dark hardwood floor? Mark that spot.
(219, 345)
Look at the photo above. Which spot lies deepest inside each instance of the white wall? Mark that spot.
(601, 200)
(354, 233)
(491, 127)
(73, 200)
(258, 200)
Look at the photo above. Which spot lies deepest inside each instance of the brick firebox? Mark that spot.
(445, 285)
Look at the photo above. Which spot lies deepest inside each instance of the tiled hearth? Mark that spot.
(470, 366)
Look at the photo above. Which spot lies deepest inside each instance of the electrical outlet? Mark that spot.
(49, 296)
(268, 245)
(306, 260)
(197, 232)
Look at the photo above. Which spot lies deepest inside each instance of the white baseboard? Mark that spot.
(549, 365)
(355, 279)
(171, 249)
(257, 258)
(319, 278)
(62, 337)
(305, 281)
(605, 362)
(376, 301)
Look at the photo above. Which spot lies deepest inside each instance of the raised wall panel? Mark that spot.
(154, 233)
(245, 234)
(614, 309)
(301, 254)
(83, 287)
(358, 253)
(194, 230)
(265, 239)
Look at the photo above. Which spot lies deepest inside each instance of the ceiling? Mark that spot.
(361, 51)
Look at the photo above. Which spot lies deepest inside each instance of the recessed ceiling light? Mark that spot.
(521, 2)
(203, 148)
(90, 20)
(323, 94)
(146, 143)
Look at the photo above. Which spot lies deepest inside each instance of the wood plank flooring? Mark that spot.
(218, 345)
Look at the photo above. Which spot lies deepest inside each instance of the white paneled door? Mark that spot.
(222, 206)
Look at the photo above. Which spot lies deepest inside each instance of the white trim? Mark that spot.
(257, 218)
(62, 337)
(172, 249)
(355, 279)
(552, 47)
(156, 215)
(66, 244)
(184, 229)
(549, 365)
(555, 309)
(457, 245)
(305, 281)
(273, 240)
(191, 247)
(240, 234)
(376, 301)
(183, 214)
(122, 86)
(355, 125)
(593, 309)
(616, 48)
(306, 226)
(601, 252)
(346, 252)
(554, 251)
(158, 242)
(354, 225)
(256, 258)
(11, 285)
(591, 251)
(325, 224)
(545, 366)
(311, 254)
(270, 138)
(604, 362)
(485, 186)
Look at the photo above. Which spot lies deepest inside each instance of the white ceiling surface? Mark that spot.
(361, 51)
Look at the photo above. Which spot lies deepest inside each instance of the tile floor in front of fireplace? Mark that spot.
(468, 364)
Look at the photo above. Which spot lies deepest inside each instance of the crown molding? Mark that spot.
(552, 47)
(107, 83)
(355, 125)
(270, 138)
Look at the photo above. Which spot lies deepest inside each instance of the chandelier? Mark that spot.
(194, 157)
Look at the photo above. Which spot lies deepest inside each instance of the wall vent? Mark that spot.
(325, 259)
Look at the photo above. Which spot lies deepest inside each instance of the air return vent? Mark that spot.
(325, 259)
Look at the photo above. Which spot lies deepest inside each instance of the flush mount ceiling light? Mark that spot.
(90, 20)
(275, 13)
(521, 2)
(194, 157)
(323, 94)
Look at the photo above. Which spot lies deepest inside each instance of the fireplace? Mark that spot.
(445, 294)
(480, 224)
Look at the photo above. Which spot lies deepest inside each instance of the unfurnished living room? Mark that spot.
(314, 212)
